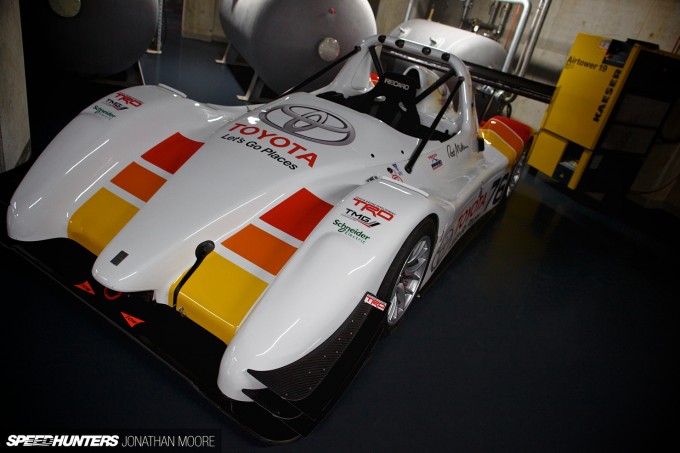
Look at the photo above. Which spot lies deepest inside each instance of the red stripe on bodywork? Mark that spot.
(172, 153)
(522, 130)
(298, 215)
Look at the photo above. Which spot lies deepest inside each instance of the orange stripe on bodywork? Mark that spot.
(490, 136)
(172, 153)
(260, 248)
(138, 181)
(298, 214)
(507, 136)
(99, 219)
(523, 131)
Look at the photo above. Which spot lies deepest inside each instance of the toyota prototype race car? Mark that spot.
(262, 250)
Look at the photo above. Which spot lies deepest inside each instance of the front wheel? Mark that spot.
(405, 275)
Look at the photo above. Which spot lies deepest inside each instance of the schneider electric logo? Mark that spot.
(354, 233)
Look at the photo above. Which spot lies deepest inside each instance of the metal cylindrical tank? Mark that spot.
(469, 47)
(91, 37)
(466, 45)
(286, 41)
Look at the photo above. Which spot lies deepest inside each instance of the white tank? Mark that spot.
(286, 41)
(466, 45)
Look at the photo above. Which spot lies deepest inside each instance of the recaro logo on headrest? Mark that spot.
(395, 83)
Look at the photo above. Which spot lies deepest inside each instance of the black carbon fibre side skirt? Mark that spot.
(301, 393)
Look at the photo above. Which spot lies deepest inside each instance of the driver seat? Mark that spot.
(392, 101)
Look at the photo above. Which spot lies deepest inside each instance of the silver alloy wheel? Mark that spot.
(409, 280)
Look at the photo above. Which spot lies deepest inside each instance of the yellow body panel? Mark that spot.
(218, 295)
(99, 219)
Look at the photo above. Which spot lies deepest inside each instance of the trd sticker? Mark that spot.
(122, 101)
(374, 210)
(367, 213)
(128, 100)
(374, 302)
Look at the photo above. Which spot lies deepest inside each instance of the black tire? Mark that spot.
(405, 275)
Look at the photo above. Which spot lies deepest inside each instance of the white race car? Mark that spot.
(262, 250)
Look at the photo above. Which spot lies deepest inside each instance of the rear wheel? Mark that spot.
(405, 276)
(518, 170)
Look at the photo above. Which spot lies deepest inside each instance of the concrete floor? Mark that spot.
(556, 329)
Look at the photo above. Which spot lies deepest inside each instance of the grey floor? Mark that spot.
(556, 329)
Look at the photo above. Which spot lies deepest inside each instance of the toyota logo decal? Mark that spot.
(310, 123)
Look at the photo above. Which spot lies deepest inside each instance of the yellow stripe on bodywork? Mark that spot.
(495, 140)
(218, 295)
(99, 219)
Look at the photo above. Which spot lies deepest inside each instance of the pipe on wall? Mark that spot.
(535, 31)
(512, 50)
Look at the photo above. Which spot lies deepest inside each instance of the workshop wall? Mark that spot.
(656, 21)
(14, 128)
